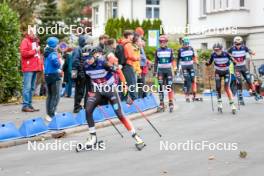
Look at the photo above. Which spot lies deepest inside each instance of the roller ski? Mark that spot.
(139, 142)
(233, 107)
(197, 99)
(171, 106)
(241, 101)
(220, 106)
(258, 97)
(90, 144)
(161, 107)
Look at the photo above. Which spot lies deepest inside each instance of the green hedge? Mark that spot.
(10, 78)
(115, 27)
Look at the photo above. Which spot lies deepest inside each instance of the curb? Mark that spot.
(78, 129)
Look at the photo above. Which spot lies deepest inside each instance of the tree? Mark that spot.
(25, 10)
(73, 11)
(10, 77)
(50, 17)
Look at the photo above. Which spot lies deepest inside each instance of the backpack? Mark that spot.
(261, 69)
(120, 54)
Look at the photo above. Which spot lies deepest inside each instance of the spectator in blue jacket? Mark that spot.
(53, 72)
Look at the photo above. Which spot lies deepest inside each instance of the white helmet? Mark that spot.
(238, 39)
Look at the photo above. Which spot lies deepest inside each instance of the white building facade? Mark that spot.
(171, 12)
(230, 18)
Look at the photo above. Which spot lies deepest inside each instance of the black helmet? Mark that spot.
(96, 50)
(217, 46)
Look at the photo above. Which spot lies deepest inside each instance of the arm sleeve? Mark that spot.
(25, 50)
(55, 61)
(178, 58)
(76, 59)
(211, 60)
(156, 62)
(129, 54)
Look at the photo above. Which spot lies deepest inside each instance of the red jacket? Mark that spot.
(30, 58)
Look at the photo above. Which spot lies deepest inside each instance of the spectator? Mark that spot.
(130, 57)
(67, 69)
(78, 74)
(102, 41)
(30, 61)
(53, 73)
(144, 65)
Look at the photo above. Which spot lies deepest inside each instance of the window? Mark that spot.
(204, 46)
(220, 4)
(214, 5)
(152, 9)
(152, 2)
(111, 9)
(96, 15)
(242, 3)
(227, 4)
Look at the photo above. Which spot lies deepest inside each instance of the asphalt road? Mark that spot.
(190, 122)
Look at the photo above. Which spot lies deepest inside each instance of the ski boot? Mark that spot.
(171, 106)
(139, 142)
(258, 97)
(90, 144)
(220, 106)
(233, 107)
(161, 107)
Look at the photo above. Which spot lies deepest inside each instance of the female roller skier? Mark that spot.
(186, 57)
(101, 73)
(164, 63)
(222, 62)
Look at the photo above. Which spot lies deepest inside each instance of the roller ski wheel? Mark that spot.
(83, 147)
(220, 110)
(242, 103)
(161, 108)
(171, 106)
(258, 97)
(220, 107)
(140, 145)
(197, 99)
(187, 100)
(233, 107)
(171, 109)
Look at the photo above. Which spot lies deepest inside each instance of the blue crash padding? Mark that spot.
(209, 93)
(245, 93)
(140, 104)
(150, 102)
(33, 127)
(81, 117)
(8, 131)
(107, 111)
(128, 109)
(62, 121)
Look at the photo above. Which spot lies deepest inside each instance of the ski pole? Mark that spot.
(106, 115)
(145, 117)
(211, 93)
